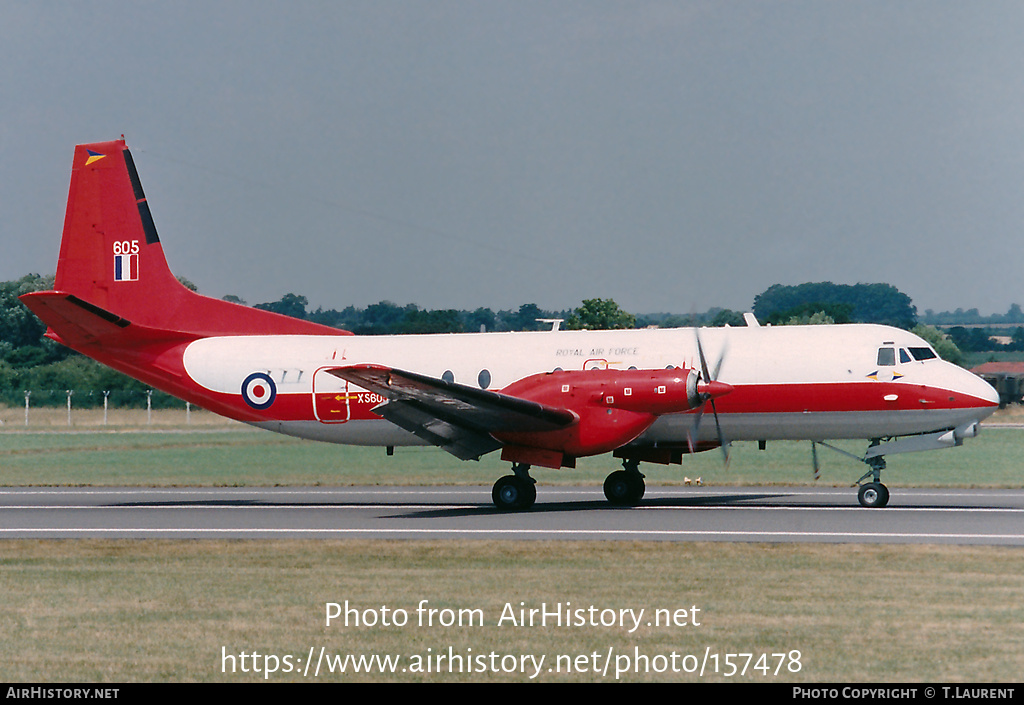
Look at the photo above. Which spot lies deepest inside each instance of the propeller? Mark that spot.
(709, 390)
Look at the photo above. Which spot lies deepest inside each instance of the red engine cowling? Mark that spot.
(612, 407)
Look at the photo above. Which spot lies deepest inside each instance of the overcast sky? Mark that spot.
(671, 155)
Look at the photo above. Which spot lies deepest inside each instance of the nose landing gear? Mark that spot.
(874, 494)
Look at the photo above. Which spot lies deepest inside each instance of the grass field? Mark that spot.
(170, 611)
(131, 611)
(212, 451)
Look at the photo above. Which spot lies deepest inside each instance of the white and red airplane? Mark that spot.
(542, 398)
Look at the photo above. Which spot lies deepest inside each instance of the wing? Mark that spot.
(455, 417)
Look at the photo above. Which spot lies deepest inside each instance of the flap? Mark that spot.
(455, 417)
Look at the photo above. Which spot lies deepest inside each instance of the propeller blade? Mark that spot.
(712, 388)
(722, 443)
(718, 365)
(690, 435)
(706, 376)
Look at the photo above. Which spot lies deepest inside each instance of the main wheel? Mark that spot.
(624, 489)
(512, 494)
(873, 495)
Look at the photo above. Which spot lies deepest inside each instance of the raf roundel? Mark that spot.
(259, 390)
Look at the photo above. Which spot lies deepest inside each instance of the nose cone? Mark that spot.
(983, 395)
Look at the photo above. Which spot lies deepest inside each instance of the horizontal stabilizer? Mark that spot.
(82, 323)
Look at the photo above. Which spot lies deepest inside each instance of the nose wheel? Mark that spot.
(873, 495)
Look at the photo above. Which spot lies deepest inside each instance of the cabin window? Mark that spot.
(448, 376)
(923, 354)
(886, 357)
(484, 379)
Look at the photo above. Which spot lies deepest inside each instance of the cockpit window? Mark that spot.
(923, 354)
(904, 356)
(886, 357)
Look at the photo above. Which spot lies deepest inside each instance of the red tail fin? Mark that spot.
(113, 266)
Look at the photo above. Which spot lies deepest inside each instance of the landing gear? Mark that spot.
(516, 492)
(873, 495)
(625, 487)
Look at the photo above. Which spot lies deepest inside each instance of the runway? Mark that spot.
(768, 514)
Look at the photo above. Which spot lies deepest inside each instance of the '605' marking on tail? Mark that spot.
(126, 261)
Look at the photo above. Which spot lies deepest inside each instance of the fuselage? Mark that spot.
(789, 382)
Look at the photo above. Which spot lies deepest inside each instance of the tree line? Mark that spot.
(388, 318)
(972, 317)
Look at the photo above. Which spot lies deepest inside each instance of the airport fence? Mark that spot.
(23, 406)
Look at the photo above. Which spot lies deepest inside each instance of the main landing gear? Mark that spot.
(515, 492)
(625, 487)
(518, 491)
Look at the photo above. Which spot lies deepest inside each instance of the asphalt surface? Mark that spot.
(766, 514)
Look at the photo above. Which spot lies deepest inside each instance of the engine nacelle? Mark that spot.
(612, 407)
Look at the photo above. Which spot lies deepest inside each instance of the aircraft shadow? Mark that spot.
(477, 510)
(597, 505)
(466, 509)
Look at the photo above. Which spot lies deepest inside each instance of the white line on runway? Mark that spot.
(221, 491)
(527, 532)
(887, 510)
(246, 508)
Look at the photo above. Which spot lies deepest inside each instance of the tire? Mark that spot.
(873, 495)
(623, 489)
(512, 494)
